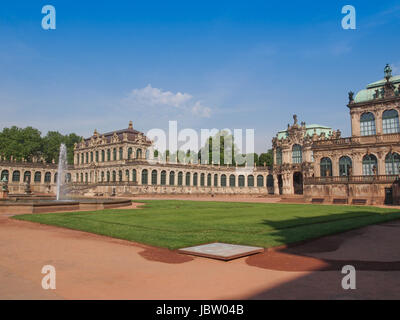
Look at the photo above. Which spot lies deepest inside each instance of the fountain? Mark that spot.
(62, 167)
(33, 203)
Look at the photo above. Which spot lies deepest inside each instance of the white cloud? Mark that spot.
(201, 111)
(149, 97)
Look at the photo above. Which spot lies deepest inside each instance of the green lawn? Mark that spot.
(176, 224)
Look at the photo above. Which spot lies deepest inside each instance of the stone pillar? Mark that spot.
(378, 123)
(381, 163)
(335, 166)
(355, 124)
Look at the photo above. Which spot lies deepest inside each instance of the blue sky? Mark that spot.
(206, 64)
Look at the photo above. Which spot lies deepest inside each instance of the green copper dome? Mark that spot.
(309, 131)
(369, 93)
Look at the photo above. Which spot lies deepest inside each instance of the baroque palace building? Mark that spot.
(310, 161)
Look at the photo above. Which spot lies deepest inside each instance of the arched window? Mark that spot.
(86, 177)
(345, 166)
(223, 180)
(180, 178)
(47, 177)
(139, 154)
(163, 178)
(154, 177)
(270, 184)
(209, 180)
(4, 173)
(87, 157)
(250, 181)
(102, 176)
(120, 175)
(81, 177)
(82, 158)
(297, 154)
(97, 156)
(121, 153)
(144, 176)
(77, 159)
(392, 163)
(38, 177)
(232, 180)
(260, 181)
(16, 176)
(129, 153)
(187, 182)
(367, 124)
(108, 176)
(127, 175)
(370, 165)
(134, 175)
(390, 121)
(202, 178)
(278, 156)
(102, 156)
(215, 180)
(172, 178)
(68, 177)
(326, 167)
(114, 176)
(195, 175)
(55, 177)
(27, 176)
(241, 181)
(114, 154)
(108, 155)
(91, 156)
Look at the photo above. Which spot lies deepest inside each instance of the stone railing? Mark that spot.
(383, 138)
(352, 179)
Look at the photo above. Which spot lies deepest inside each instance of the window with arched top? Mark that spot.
(260, 181)
(121, 153)
(127, 175)
(47, 177)
(139, 154)
(209, 180)
(16, 176)
(134, 175)
(392, 163)
(108, 176)
(232, 180)
(120, 175)
(102, 156)
(114, 154)
(114, 176)
(326, 167)
(367, 124)
(241, 181)
(144, 176)
(195, 175)
(4, 174)
(250, 181)
(187, 181)
(370, 165)
(223, 180)
(390, 121)
(172, 178)
(278, 156)
(37, 177)
(154, 177)
(102, 176)
(27, 176)
(345, 166)
(297, 154)
(180, 178)
(129, 153)
(163, 178)
(202, 179)
(215, 180)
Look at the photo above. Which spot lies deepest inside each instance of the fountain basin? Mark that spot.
(38, 205)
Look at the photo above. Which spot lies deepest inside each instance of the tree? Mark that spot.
(268, 158)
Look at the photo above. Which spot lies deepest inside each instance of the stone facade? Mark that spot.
(360, 169)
